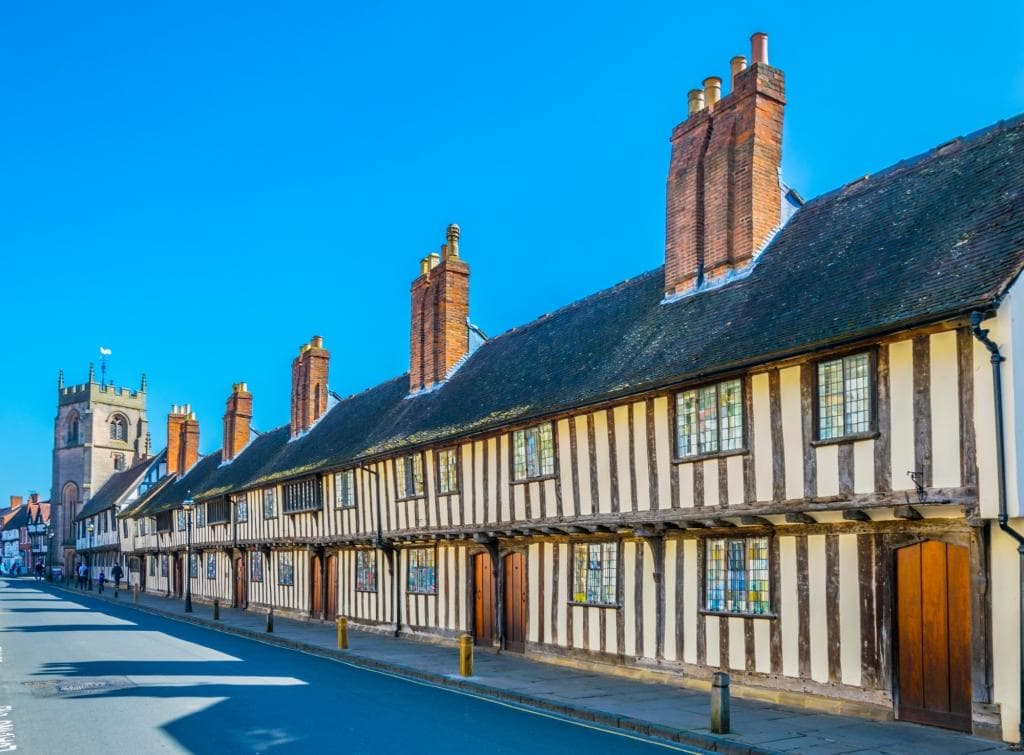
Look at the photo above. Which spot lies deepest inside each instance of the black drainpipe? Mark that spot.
(997, 392)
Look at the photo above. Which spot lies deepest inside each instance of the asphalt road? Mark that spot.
(80, 676)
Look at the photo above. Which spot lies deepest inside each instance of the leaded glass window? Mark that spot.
(345, 489)
(596, 573)
(844, 396)
(737, 575)
(193, 565)
(152, 566)
(211, 566)
(448, 470)
(709, 419)
(200, 515)
(269, 503)
(242, 509)
(409, 475)
(181, 520)
(533, 452)
(366, 571)
(256, 566)
(285, 569)
(163, 566)
(422, 571)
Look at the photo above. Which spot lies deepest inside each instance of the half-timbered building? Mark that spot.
(788, 452)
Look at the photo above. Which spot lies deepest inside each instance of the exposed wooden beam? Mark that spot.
(719, 523)
(799, 517)
(906, 512)
(856, 515)
(755, 520)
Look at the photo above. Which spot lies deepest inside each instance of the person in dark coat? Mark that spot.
(117, 573)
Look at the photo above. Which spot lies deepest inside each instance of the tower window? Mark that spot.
(118, 428)
(119, 463)
(72, 430)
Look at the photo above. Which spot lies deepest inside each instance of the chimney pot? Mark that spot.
(453, 239)
(434, 259)
(696, 98)
(712, 91)
(737, 65)
(759, 48)
(424, 266)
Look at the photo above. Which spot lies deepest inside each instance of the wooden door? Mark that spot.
(240, 597)
(515, 602)
(176, 565)
(933, 649)
(317, 586)
(484, 599)
(332, 586)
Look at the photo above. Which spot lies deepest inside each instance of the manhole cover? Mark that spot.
(69, 687)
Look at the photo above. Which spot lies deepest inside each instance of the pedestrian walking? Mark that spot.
(117, 573)
(83, 575)
(39, 570)
(101, 579)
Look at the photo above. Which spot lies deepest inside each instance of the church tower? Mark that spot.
(99, 430)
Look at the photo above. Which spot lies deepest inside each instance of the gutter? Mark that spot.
(997, 360)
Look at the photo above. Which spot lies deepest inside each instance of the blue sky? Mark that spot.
(203, 186)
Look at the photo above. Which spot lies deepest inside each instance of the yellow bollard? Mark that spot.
(466, 655)
(342, 633)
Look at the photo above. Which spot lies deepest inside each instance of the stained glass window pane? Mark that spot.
(422, 576)
(730, 412)
(366, 571)
(595, 576)
(686, 423)
(736, 578)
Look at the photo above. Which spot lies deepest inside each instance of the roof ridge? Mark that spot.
(956, 144)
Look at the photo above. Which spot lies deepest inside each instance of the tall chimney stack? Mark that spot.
(724, 198)
(182, 439)
(15, 501)
(237, 421)
(175, 420)
(439, 331)
(309, 385)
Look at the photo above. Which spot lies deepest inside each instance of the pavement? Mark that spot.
(652, 711)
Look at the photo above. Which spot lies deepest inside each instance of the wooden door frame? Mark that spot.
(328, 555)
(496, 639)
(318, 554)
(976, 541)
(235, 559)
(503, 553)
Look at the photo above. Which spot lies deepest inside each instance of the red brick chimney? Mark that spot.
(309, 385)
(724, 196)
(439, 334)
(15, 501)
(182, 439)
(175, 420)
(237, 419)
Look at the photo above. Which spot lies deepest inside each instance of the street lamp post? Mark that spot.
(49, 552)
(188, 504)
(90, 528)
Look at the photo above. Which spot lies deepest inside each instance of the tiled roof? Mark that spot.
(117, 487)
(927, 239)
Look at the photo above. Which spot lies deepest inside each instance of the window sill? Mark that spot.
(595, 605)
(428, 594)
(313, 510)
(738, 614)
(706, 457)
(846, 439)
(539, 478)
(416, 497)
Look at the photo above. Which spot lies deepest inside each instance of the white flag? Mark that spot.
(105, 351)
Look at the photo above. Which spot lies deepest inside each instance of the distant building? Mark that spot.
(99, 430)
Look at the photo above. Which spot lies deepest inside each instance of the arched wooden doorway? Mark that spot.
(484, 603)
(176, 565)
(240, 599)
(515, 602)
(933, 642)
(316, 584)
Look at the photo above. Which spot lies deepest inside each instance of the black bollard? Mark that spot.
(270, 619)
(216, 610)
